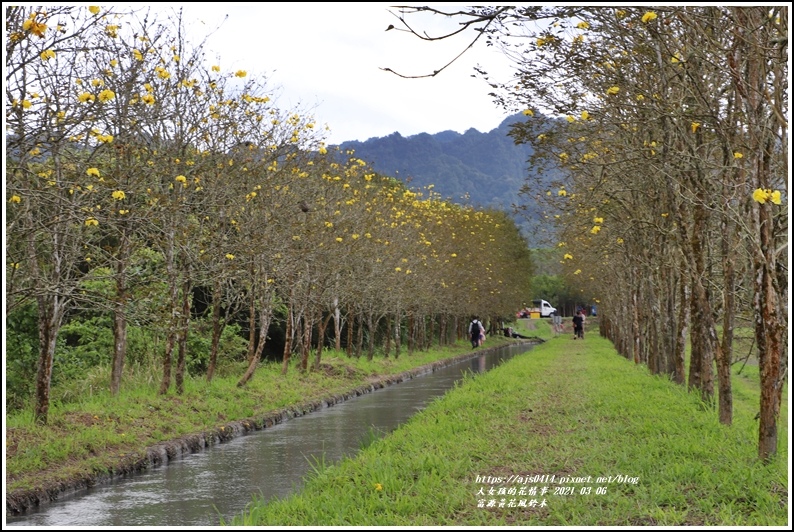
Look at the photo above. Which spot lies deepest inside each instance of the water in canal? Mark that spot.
(202, 488)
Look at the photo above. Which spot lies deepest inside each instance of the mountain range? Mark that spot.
(484, 170)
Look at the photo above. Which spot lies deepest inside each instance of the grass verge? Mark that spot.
(620, 448)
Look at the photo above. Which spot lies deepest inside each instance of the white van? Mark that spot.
(544, 307)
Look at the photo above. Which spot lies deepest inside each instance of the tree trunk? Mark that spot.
(337, 325)
(306, 344)
(360, 335)
(681, 329)
(252, 327)
(397, 334)
(119, 318)
(217, 328)
(50, 317)
(695, 350)
(411, 332)
(179, 376)
(265, 316)
(635, 323)
(387, 340)
(351, 319)
(287, 341)
(321, 328)
(725, 350)
(371, 338)
(173, 321)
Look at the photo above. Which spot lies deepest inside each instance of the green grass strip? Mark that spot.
(625, 448)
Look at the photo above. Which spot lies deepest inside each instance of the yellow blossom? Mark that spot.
(595, 229)
(562, 192)
(147, 99)
(577, 272)
(694, 126)
(91, 221)
(93, 172)
(763, 195)
(118, 195)
(34, 27)
(137, 54)
(640, 97)
(106, 95)
(737, 155)
(585, 115)
(93, 9)
(583, 25)
(14, 199)
(613, 90)
(47, 54)
(86, 97)
(216, 68)
(114, 63)
(567, 256)
(241, 73)
(598, 220)
(648, 16)
(619, 240)
(569, 118)
(112, 30)
(378, 486)
(529, 112)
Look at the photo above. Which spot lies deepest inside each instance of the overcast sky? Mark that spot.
(327, 59)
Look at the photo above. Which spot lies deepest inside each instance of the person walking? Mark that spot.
(475, 330)
(578, 325)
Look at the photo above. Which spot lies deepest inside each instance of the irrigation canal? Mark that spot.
(199, 489)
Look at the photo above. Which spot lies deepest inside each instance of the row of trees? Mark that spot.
(138, 170)
(671, 125)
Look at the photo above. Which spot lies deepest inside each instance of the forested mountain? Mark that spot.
(480, 169)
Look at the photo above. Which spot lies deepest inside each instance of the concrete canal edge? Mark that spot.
(161, 454)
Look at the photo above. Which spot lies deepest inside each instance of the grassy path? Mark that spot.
(620, 448)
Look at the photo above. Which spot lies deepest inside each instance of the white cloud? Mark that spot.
(328, 59)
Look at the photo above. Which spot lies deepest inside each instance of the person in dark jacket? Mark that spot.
(475, 330)
(578, 325)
